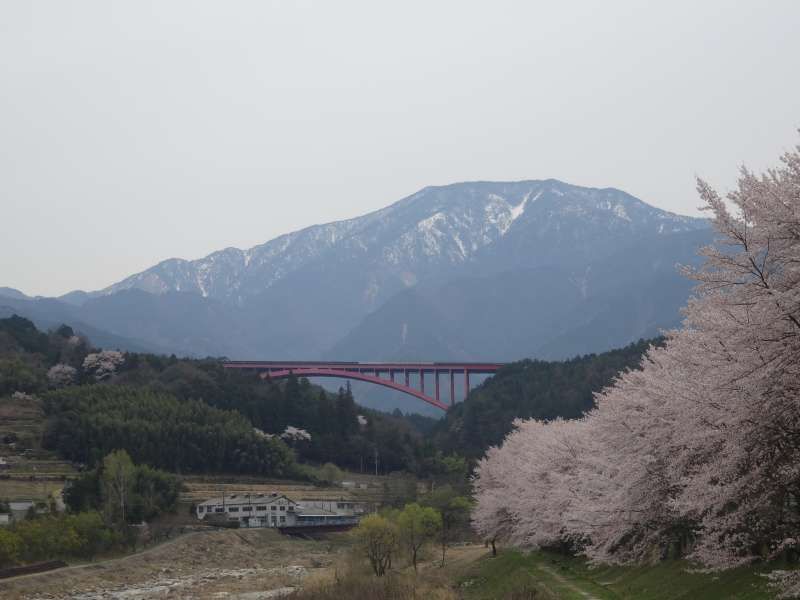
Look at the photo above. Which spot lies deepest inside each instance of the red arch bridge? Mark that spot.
(394, 375)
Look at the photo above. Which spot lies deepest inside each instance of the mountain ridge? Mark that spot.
(231, 264)
(314, 292)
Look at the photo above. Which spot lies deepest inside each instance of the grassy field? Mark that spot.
(549, 576)
(353, 580)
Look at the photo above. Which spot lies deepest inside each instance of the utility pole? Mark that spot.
(376, 460)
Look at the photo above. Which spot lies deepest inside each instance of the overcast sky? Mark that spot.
(131, 132)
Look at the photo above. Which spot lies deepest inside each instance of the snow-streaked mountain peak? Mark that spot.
(425, 234)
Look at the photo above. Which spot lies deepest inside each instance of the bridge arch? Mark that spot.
(371, 372)
(357, 377)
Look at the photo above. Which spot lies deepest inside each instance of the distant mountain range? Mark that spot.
(467, 271)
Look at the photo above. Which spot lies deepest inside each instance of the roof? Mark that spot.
(235, 499)
(316, 512)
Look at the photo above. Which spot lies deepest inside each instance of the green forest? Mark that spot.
(193, 416)
(531, 389)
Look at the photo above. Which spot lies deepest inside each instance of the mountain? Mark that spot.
(479, 225)
(469, 270)
(546, 312)
(7, 292)
(49, 313)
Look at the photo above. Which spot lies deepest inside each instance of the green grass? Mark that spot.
(546, 576)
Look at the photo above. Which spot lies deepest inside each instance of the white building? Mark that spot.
(276, 510)
(253, 510)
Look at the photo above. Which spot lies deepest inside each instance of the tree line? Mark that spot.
(102, 505)
(438, 520)
(695, 452)
(337, 434)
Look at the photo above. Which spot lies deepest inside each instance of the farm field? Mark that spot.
(29, 489)
(367, 488)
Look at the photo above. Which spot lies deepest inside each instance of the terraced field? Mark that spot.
(29, 472)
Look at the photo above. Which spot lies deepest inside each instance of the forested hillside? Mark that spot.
(194, 416)
(88, 422)
(531, 389)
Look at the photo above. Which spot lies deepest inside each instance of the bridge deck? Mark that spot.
(474, 367)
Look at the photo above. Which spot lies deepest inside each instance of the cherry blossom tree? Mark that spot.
(60, 375)
(295, 434)
(103, 365)
(699, 449)
(494, 473)
(745, 323)
(626, 486)
(524, 488)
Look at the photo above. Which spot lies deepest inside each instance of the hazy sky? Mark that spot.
(135, 131)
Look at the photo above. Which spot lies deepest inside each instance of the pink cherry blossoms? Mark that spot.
(102, 365)
(697, 453)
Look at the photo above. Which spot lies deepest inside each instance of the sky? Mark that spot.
(132, 132)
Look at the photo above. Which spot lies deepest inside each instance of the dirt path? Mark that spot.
(566, 582)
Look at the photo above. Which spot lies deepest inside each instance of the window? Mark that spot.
(283, 519)
(219, 509)
(233, 509)
(261, 507)
(202, 508)
(283, 507)
(247, 508)
(273, 507)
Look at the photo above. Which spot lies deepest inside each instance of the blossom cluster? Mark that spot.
(60, 375)
(103, 365)
(697, 452)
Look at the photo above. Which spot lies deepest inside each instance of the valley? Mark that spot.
(144, 468)
(399, 301)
